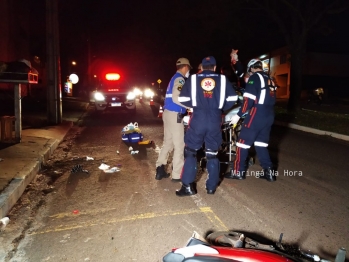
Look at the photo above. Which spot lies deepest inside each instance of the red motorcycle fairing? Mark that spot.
(208, 259)
(250, 255)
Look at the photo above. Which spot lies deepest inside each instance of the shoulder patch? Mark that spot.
(179, 88)
(182, 81)
(250, 82)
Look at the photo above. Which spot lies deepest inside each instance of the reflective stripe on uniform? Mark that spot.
(262, 97)
(242, 145)
(232, 98)
(193, 89)
(249, 95)
(222, 93)
(168, 95)
(183, 99)
(260, 144)
(211, 152)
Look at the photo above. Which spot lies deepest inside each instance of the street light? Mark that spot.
(73, 63)
(73, 78)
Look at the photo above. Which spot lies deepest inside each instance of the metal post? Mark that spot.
(18, 113)
(54, 97)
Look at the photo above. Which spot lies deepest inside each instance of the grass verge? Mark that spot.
(337, 123)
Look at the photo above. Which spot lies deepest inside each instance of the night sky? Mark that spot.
(145, 38)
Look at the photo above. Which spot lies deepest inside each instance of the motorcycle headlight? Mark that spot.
(99, 96)
(148, 93)
(130, 96)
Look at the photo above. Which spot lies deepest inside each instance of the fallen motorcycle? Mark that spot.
(227, 246)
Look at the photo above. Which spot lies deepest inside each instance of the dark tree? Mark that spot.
(296, 18)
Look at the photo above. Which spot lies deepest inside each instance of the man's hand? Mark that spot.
(234, 56)
(234, 120)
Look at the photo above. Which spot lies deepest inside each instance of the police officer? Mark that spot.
(208, 94)
(173, 124)
(259, 101)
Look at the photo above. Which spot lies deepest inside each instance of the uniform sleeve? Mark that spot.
(250, 95)
(177, 86)
(185, 94)
(231, 97)
(238, 68)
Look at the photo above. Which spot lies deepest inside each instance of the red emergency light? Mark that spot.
(112, 76)
(113, 90)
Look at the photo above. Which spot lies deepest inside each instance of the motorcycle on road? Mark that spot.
(228, 246)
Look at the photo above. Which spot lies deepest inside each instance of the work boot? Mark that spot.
(268, 174)
(240, 175)
(161, 173)
(187, 190)
(211, 191)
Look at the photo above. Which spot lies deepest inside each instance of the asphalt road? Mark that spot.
(130, 216)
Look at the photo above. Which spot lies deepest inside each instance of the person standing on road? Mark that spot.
(209, 94)
(259, 101)
(172, 117)
(237, 68)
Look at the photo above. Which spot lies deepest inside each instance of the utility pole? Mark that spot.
(89, 72)
(54, 93)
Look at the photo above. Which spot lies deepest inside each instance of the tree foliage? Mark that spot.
(296, 19)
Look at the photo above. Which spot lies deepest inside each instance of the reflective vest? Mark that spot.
(169, 104)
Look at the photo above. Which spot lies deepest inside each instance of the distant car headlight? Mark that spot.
(99, 96)
(137, 91)
(130, 96)
(148, 93)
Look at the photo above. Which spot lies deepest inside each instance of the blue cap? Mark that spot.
(209, 60)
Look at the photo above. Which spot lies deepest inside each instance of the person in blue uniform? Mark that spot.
(173, 125)
(259, 101)
(208, 94)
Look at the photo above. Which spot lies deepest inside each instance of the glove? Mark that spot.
(234, 56)
(234, 120)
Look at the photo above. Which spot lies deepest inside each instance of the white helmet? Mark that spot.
(254, 63)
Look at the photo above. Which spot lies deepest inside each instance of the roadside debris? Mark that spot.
(133, 151)
(4, 221)
(48, 190)
(117, 151)
(107, 169)
(112, 170)
(75, 211)
(78, 168)
(145, 142)
(89, 158)
(103, 166)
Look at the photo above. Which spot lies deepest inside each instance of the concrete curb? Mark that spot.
(312, 130)
(10, 195)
